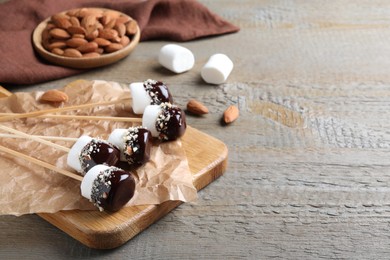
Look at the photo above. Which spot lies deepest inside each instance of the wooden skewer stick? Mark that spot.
(32, 137)
(103, 118)
(48, 138)
(61, 109)
(41, 163)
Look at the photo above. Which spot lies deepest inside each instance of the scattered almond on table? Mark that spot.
(197, 108)
(230, 114)
(79, 32)
(54, 95)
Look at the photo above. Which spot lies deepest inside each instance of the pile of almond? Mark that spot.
(88, 32)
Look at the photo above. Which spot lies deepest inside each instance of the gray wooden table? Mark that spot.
(309, 167)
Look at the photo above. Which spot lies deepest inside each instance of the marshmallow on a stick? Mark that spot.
(217, 69)
(108, 187)
(150, 92)
(176, 58)
(165, 121)
(88, 152)
(134, 143)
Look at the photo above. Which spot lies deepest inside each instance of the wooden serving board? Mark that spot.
(207, 159)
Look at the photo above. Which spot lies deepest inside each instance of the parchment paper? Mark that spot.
(27, 188)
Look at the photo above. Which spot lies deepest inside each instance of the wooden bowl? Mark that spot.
(83, 62)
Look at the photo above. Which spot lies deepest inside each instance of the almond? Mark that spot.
(54, 96)
(57, 44)
(56, 17)
(88, 47)
(73, 12)
(99, 25)
(61, 21)
(91, 55)
(106, 19)
(197, 108)
(108, 34)
(82, 12)
(76, 42)
(110, 24)
(116, 39)
(45, 44)
(76, 30)
(58, 33)
(88, 22)
(109, 15)
(72, 53)
(112, 13)
(92, 35)
(74, 21)
(230, 114)
(124, 41)
(50, 25)
(131, 27)
(102, 42)
(58, 51)
(45, 34)
(97, 13)
(77, 35)
(100, 50)
(121, 29)
(122, 19)
(113, 47)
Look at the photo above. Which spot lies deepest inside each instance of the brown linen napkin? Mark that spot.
(176, 20)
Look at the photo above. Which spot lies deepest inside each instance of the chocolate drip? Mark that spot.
(171, 123)
(137, 145)
(158, 92)
(98, 152)
(112, 189)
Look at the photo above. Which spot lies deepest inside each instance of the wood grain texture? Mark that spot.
(308, 173)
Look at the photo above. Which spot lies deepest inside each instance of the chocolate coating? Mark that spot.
(158, 92)
(113, 189)
(98, 152)
(137, 146)
(171, 123)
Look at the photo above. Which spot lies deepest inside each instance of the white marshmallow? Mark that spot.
(149, 118)
(217, 69)
(141, 98)
(74, 153)
(89, 178)
(117, 139)
(176, 58)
